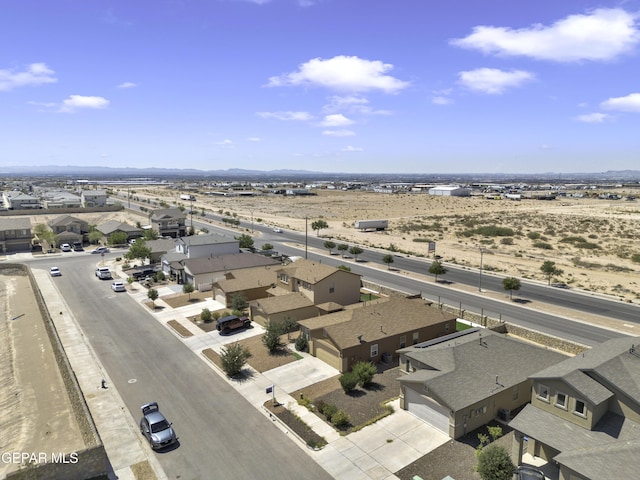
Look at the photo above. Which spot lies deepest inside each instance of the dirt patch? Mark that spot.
(456, 458)
(213, 357)
(295, 424)
(177, 326)
(364, 406)
(143, 471)
(178, 300)
(261, 360)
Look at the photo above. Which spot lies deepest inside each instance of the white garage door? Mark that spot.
(425, 408)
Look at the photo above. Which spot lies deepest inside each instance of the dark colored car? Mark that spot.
(232, 322)
(529, 473)
(155, 427)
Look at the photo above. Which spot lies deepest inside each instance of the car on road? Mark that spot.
(155, 427)
(55, 272)
(103, 273)
(100, 250)
(118, 287)
(277, 230)
(530, 473)
(65, 247)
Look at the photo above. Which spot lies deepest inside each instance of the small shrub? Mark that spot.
(543, 245)
(364, 372)
(158, 277)
(340, 418)
(206, 316)
(635, 258)
(319, 404)
(302, 344)
(534, 235)
(329, 410)
(349, 381)
(506, 241)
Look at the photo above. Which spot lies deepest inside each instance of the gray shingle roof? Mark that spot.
(206, 240)
(15, 223)
(222, 263)
(469, 368)
(596, 372)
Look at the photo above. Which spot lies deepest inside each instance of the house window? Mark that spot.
(561, 400)
(403, 341)
(332, 288)
(580, 408)
(515, 392)
(542, 392)
(284, 278)
(374, 350)
(446, 327)
(416, 335)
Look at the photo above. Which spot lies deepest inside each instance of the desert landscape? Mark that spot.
(595, 242)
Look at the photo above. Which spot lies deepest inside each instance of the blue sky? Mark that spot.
(377, 86)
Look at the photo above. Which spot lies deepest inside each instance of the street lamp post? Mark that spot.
(480, 281)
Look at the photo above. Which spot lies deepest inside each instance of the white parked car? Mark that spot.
(118, 287)
(55, 272)
(277, 230)
(65, 247)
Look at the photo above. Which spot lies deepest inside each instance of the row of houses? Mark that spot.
(52, 198)
(16, 233)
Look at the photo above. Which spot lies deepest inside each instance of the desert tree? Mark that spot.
(153, 296)
(511, 284)
(319, 225)
(329, 245)
(234, 357)
(436, 268)
(355, 251)
(343, 247)
(388, 260)
(550, 270)
(188, 289)
(494, 463)
(245, 241)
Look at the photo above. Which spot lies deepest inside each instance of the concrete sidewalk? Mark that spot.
(117, 428)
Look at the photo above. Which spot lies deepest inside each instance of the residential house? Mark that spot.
(69, 229)
(60, 199)
(198, 246)
(16, 200)
(204, 272)
(320, 283)
(169, 222)
(291, 307)
(250, 283)
(15, 234)
(160, 247)
(584, 414)
(113, 226)
(461, 381)
(373, 332)
(93, 198)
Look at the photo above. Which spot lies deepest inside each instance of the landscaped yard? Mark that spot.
(177, 300)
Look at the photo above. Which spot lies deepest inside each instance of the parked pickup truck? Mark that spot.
(232, 322)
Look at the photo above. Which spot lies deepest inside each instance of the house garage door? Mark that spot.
(327, 354)
(425, 408)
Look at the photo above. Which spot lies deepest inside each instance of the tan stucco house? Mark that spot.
(373, 332)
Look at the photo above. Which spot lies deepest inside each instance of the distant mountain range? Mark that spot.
(623, 176)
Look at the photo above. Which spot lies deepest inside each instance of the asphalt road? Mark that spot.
(221, 435)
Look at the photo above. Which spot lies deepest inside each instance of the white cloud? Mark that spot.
(254, 139)
(595, 117)
(440, 100)
(288, 115)
(76, 102)
(336, 120)
(350, 148)
(492, 80)
(601, 34)
(127, 85)
(34, 74)
(342, 73)
(338, 133)
(226, 143)
(630, 103)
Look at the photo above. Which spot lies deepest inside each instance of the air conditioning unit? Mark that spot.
(504, 414)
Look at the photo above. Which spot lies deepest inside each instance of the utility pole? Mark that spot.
(480, 282)
(306, 235)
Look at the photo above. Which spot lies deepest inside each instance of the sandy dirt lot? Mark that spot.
(35, 413)
(592, 241)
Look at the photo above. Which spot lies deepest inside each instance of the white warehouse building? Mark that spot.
(450, 191)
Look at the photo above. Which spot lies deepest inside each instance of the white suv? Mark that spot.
(103, 273)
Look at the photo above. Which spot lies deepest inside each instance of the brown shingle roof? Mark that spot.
(309, 271)
(283, 303)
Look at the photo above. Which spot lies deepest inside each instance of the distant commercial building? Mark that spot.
(450, 191)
